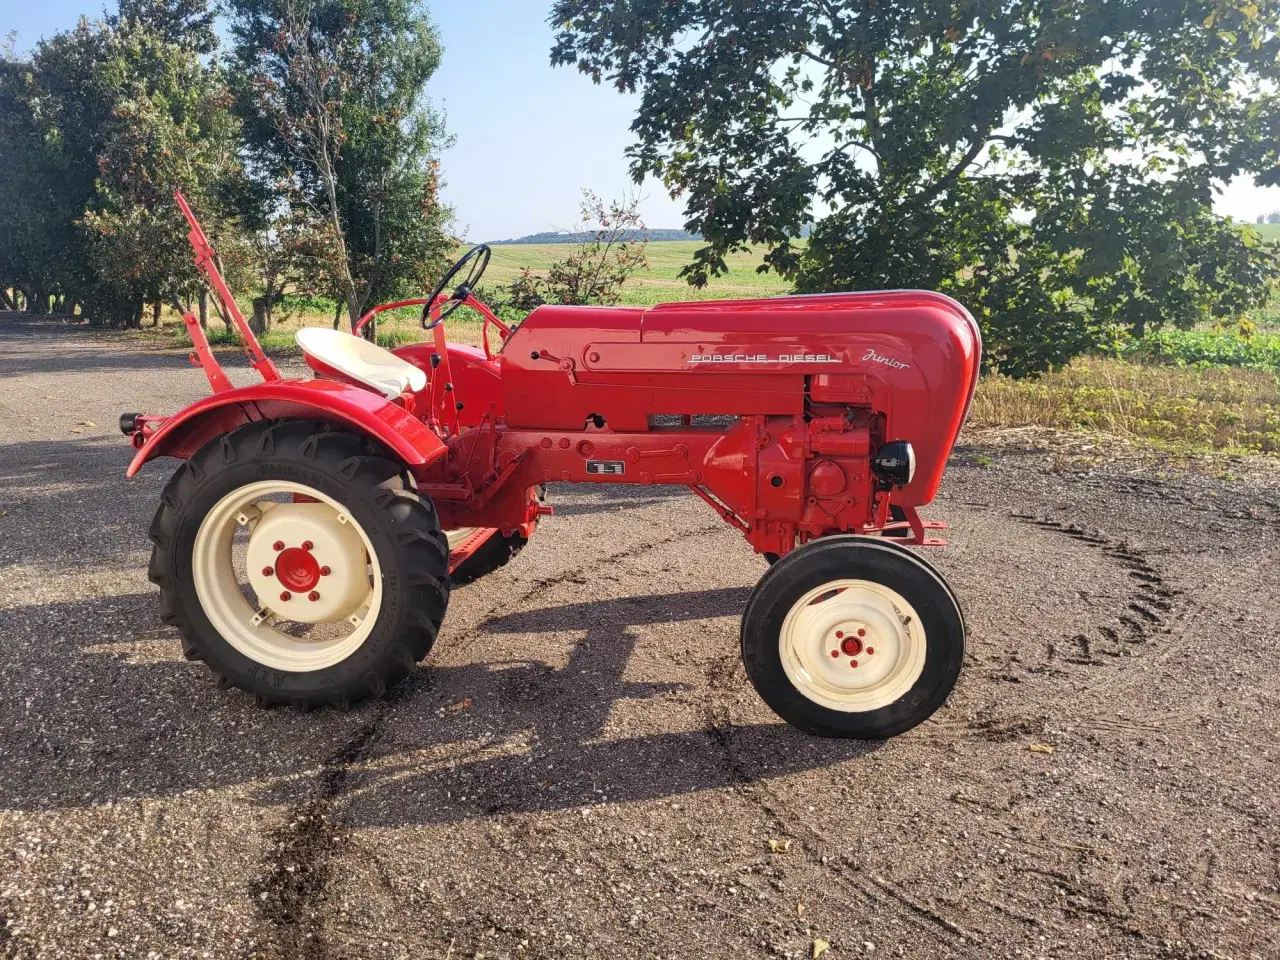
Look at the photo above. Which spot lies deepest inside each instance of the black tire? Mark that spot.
(897, 515)
(401, 525)
(864, 558)
(495, 552)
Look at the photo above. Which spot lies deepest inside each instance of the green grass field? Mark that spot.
(661, 282)
(1270, 231)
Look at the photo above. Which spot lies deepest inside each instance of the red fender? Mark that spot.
(337, 403)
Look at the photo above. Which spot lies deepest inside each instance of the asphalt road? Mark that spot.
(581, 769)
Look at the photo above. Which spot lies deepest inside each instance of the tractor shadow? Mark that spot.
(113, 712)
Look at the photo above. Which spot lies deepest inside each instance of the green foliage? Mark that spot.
(331, 96)
(1051, 166)
(170, 129)
(610, 252)
(1199, 348)
(103, 122)
(99, 125)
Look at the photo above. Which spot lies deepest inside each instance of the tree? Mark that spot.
(171, 128)
(333, 106)
(53, 105)
(186, 23)
(610, 248)
(1050, 165)
(97, 128)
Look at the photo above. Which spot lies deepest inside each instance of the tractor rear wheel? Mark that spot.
(853, 637)
(299, 564)
(489, 556)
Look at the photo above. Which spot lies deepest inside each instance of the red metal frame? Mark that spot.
(203, 357)
(339, 403)
(207, 264)
(801, 392)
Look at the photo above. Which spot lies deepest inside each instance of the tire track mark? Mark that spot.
(291, 894)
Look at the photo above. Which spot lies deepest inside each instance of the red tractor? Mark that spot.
(306, 547)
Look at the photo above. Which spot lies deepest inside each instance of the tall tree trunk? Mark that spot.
(204, 309)
(337, 313)
(155, 314)
(259, 322)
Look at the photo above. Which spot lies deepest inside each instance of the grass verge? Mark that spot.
(1183, 409)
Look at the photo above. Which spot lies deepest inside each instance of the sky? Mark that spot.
(528, 137)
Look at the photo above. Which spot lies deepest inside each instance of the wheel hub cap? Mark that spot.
(297, 569)
(307, 563)
(852, 645)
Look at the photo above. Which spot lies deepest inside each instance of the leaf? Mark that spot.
(460, 705)
(1041, 748)
(820, 947)
(779, 846)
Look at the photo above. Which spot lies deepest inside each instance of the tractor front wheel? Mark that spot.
(853, 637)
(299, 564)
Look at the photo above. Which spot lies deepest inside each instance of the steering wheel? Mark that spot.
(478, 257)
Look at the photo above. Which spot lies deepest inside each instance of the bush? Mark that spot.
(1183, 348)
(613, 250)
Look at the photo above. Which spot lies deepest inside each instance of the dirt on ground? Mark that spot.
(581, 768)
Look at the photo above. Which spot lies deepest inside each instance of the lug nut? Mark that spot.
(286, 595)
(267, 571)
(278, 546)
(325, 571)
(835, 653)
(861, 633)
(313, 596)
(870, 651)
(853, 663)
(839, 634)
(307, 544)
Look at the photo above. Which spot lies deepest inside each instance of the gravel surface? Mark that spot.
(581, 769)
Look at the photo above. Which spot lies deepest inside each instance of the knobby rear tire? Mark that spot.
(494, 553)
(401, 525)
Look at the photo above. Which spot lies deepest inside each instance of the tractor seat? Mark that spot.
(359, 360)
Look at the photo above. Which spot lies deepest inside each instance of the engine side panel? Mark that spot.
(909, 357)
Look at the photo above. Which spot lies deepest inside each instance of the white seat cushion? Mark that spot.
(361, 360)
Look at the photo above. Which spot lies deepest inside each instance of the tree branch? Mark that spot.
(950, 177)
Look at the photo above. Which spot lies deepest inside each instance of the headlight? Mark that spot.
(894, 464)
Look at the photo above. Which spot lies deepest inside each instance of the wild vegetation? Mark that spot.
(307, 148)
(1052, 166)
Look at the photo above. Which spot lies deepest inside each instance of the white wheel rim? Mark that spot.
(852, 645)
(346, 597)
